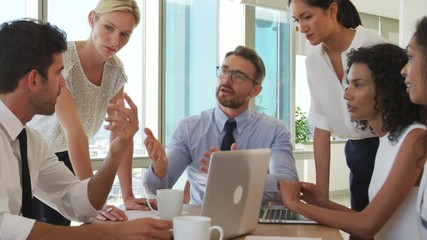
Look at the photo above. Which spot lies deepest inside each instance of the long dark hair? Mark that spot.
(347, 15)
(385, 62)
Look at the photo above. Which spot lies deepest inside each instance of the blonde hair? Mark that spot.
(107, 6)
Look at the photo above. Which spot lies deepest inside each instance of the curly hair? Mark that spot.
(385, 62)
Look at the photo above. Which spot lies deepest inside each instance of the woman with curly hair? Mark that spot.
(415, 73)
(376, 94)
(334, 28)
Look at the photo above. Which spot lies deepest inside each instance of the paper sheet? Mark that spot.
(279, 238)
(133, 214)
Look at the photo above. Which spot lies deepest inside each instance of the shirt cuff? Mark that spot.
(318, 121)
(85, 212)
(15, 227)
(152, 182)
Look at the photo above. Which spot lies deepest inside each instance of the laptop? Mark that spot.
(234, 189)
(281, 214)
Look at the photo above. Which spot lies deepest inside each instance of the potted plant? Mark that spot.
(302, 128)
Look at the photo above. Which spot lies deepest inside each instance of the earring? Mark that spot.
(296, 29)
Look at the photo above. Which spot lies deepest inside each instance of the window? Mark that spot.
(192, 38)
(190, 59)
(18, 9)
(272, 42)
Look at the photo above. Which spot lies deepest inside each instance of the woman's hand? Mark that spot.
(139, 204)
(111, 213)
(312, 194)
(290, 192)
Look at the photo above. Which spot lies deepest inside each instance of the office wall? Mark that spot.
(339, 174)
(410, 12)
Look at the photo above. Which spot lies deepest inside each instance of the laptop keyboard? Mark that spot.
(282, 215)
(277, 214)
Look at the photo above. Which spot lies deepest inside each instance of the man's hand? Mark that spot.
(157, 154)
(145, 228)
(124, 123)
(207, 155)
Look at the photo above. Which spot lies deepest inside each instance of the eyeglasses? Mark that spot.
(236, 75)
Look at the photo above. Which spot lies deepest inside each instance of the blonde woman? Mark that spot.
(94, 77)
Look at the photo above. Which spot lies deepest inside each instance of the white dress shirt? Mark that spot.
(328, 110)
(51, 181)
(196, 134)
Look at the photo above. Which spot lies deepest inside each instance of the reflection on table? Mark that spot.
(283, 230)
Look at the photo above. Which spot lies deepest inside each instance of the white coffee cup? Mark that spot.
(194, 227)
(169, 203)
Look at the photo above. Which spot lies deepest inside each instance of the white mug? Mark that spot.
(169, 203)
(194, 227)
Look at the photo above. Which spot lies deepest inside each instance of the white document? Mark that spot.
(279, 238)
(134, 214)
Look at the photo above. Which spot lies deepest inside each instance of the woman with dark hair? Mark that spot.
(415, 73)
(376, 94)
(333, 26)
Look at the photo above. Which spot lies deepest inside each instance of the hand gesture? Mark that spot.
(157, 154)
(207, 155)
(124, 123)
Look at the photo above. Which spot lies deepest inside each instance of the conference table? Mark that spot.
(283, 230)
(316, 231)
(296, 230)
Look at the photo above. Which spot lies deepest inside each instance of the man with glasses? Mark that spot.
(239, 80)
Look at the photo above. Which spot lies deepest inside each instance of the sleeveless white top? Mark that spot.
(90, 100)
(421, 205)
(404, 223)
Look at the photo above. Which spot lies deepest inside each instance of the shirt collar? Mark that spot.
(220, 118)
(321, 48)
(10, 122)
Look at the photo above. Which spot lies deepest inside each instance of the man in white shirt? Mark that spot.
(30, 81)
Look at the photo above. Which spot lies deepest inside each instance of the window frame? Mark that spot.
(156, 51)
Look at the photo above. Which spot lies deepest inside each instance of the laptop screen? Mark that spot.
(234, 189)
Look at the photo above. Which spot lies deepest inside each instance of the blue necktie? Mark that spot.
(228, 139)
(26, 180)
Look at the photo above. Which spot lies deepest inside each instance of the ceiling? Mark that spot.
(385, 8)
